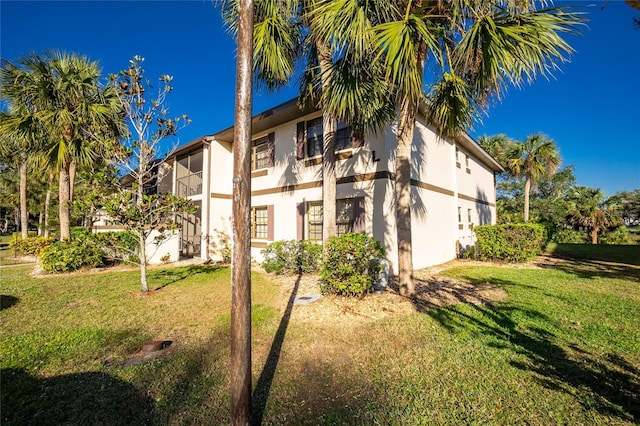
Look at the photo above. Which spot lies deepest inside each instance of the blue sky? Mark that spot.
(591, 108)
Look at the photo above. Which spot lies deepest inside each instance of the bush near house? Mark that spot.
(30, 246)
(348, 269)
(292, 257)
(568, 236)
(511, 242)
(67, 256)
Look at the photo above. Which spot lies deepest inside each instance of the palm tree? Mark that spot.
(588, 211)
(476, 49)
(532, 159)
(78, 115)
(21, 133)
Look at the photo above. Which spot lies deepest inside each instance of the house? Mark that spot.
(453, 186)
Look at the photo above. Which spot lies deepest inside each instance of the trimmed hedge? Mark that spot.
(66, 256)
(292, 257)
(511, 242)
(349, 267)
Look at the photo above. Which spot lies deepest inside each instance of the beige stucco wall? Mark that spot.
(441, 188)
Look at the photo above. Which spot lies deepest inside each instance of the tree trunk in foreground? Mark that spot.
(240, 386)
(527, 190)
(24, 212)
(329, 126)
(142, 248)
(63, 194)
(406, 125)
(594, 236)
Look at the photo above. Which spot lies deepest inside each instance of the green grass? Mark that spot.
(563, 348)
(629, 254)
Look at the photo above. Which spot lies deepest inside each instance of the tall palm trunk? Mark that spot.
(329, 126)
(594, 236)
(64, 198)
(72, 178)
(24, 212)
(406, 125)
(47, 202)
(527, 190)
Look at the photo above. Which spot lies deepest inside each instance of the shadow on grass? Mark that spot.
(7, 301)
(261, 391)
(82, 398)
(166, 277)
(609, 384)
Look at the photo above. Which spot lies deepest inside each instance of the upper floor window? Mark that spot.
(466, 161)
(469, 215)
(189, 174)
(459, 214)
(310, 138)
(262, 152)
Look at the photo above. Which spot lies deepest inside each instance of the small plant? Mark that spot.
(66, 256)
(349, 266)
(292, 256)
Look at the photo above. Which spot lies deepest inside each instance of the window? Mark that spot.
(469, 215)
(345, 215)
(314, 220)
(459, 214)
(466, 161)
(315, 133)
(260, 153)
(259, 222)
(314, 137)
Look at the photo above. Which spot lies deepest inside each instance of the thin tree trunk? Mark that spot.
(63, 196)
(47, 202)
(406, 125)
(527, 190)
(16, 215)
(72, 178)
(40, 222)
(594, 236)
(240, 384)
(142, 248)
(329, 126)
(24, 212)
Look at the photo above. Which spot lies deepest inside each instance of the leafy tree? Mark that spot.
(589, 211)
(476, 49)
(138, 208)
(627, 205)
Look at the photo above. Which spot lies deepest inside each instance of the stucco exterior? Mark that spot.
(448, 177)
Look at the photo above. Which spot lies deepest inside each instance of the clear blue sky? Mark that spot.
(591, 108)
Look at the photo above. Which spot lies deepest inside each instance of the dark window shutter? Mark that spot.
(270, 222)
(301, 211)
(271, 148)
(359, 220)
(300, 141)
(357, 139)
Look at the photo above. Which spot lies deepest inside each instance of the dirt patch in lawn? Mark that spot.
(432, 290)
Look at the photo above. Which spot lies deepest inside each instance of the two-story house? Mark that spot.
(452, 181)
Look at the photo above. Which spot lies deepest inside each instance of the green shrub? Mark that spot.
(568, 236)
(512, 242)
(292, 256)
(31, 245)
(66, 256)
(117, 245)
(619, 235)
(348, 268)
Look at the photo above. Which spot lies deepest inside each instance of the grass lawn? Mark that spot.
(563, 348)
(7, 255)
